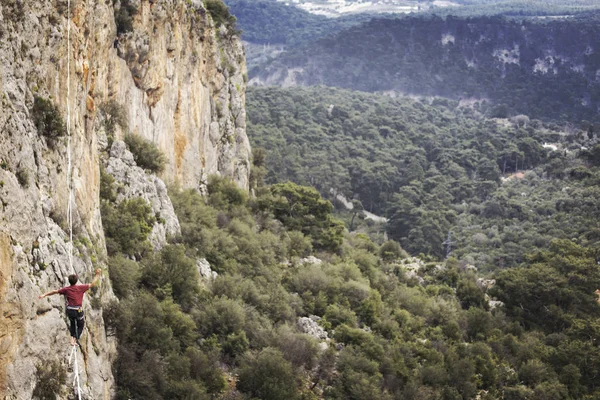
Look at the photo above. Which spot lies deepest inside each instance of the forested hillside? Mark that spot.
(435, 168)
(545, 70)
(272, 22)
(359, 322)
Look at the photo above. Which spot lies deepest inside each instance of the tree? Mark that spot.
(302, 208)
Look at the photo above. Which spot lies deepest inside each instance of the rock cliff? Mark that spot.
(177, 79)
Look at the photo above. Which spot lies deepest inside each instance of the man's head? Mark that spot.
(73, 279)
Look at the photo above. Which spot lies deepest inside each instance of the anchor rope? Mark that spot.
(70, 189)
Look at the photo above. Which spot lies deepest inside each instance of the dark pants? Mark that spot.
(77, 322)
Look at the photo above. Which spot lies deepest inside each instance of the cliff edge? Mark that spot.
(176, 76)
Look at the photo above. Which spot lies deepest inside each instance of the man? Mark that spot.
(74, 296)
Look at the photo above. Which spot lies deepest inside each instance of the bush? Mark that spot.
(124, 276)
(23, 177)
(127, 226)
(224, 194)
(205, 367)
(267, 376)
(47, 120)
(391, 250)
(220, 13)
(107, 191)
(146, 154)
(51, 377)
(114, 115)
(301, 208)
(299, 245)
(172, 271)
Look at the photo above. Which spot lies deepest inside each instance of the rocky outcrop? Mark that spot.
(310, 326)
(133, 182)
(179, 82)
(205, 271)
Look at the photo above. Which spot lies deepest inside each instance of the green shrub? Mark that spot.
(124, 275)
(220, 13)
(391, 250)
(50, 378)
(204, 366)
(337, 315)
(172, 271)
(127, 226)
(299, 245)
(146, 154)
(107, 190)
(47, 120)
(114, 115)
(224, 194)
(23, 177)
(268, 376)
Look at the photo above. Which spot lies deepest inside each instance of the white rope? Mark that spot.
(70, 167)
(73, 360)
(70, 187)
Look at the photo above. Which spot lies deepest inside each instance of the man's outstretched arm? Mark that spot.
(95, 280)
(53, 292)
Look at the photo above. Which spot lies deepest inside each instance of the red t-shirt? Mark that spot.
(74, 294)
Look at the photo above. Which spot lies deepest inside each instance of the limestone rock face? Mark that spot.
(182, 86)
(179, 82)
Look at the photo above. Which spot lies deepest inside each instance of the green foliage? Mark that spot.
(223, 193)
(127, 226)
(107, 190)
(174, 273)
(146, 153)
(435, 168)
(22, 177)
(301, 208)
(114, 115)
(259, 167)
(391, 250)
(392, 335)
(220, 13)
(553, 292)
(124, 275)
(47, 120)
(267, 375)
(50, 380)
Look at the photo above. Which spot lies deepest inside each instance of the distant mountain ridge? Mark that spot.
(546, 70)
(271, 22)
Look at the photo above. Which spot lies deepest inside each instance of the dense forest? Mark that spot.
(384, 327)
(436, 167)
(545, 70)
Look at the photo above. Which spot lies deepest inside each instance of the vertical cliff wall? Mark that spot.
(178, 80)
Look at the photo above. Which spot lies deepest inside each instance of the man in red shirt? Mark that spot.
(74, 297)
